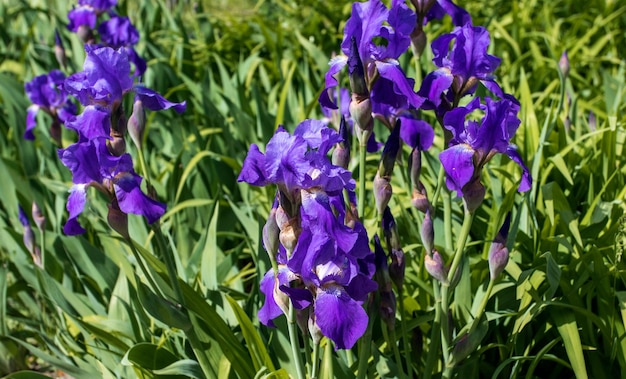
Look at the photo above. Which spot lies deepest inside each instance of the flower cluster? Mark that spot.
(47, 94)
(116, 31)
(323, 261)
(98, 158)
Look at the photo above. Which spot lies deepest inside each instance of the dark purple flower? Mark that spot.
(47, 93)
(372, 21)
(92, 164)
(437, 9)
(106, 78)
(461, 67)
(474, 143)
(118, 32)
(82, 16)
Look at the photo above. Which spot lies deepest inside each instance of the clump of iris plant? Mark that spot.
(98, 159)
(323, 264)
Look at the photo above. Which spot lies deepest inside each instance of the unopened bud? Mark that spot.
(435, 267)
(418, 41)
(36, 255)
(341, 154)
(498, 253)
(289, 233)
(118, 220)
(59, 50)
(382, 192)
(271, 232)
(38, 217)
(592, 121)
(387, 308)
(427, 233)
(564, 64)
(390, 152)
(397, 267)
(415, 165)
(314, 329)
(361, 112)
(419, 198)
(358, 83)
(473, 194)
(390, 229)
(137, 123)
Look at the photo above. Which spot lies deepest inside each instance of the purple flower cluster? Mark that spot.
(47, 94)
(116, 32)
(98, 158)
(324, 263)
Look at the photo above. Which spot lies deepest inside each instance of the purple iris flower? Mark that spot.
(118, 32)
(372, 21)
(87, 13)
(47, 93)
(474, 143)
(460, 68)
(92, 164)
(324, 265)
(105, 79)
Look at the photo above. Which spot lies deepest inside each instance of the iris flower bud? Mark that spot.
(498, 252)
(59, 50)
(435, 267)
(427, 233)
(137, 123)
(39, 218)
(341, 154)
(118, 220)
(564, 64)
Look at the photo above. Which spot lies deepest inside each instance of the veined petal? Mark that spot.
(401, 84)
(339, 317)
(458, 162)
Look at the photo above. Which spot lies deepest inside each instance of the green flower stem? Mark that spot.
(435, 335)
(366, 341)
(482, 306)
(446, 289)
(405, 334)
(316, 358)
(362, 154)
(293, 338)
(193, 338)
(328, 357)
(396, 352)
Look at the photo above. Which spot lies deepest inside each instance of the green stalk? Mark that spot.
(315, 364)
(396, 352)
(364, 344)
(446, 289)
(405, 334)
(435, 335)
(362, 154)
(482, 306)
(328, 357)
(293, 338)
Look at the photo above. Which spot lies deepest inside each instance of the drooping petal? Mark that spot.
(435, 84)
(132, 200)
(270, 309)
(526, 182)
(339, 317)
(94, 122)
(155, 102)
(253, 170)
(75, 205)
(336, 65)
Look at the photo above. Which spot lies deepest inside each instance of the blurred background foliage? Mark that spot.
(244, 67)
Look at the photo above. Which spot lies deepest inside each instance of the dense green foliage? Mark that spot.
(244, 68)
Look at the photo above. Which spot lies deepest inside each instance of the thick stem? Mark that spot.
(295, 345)
(405, 334)
(315, 363)
(435, 335)
(362, 154)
